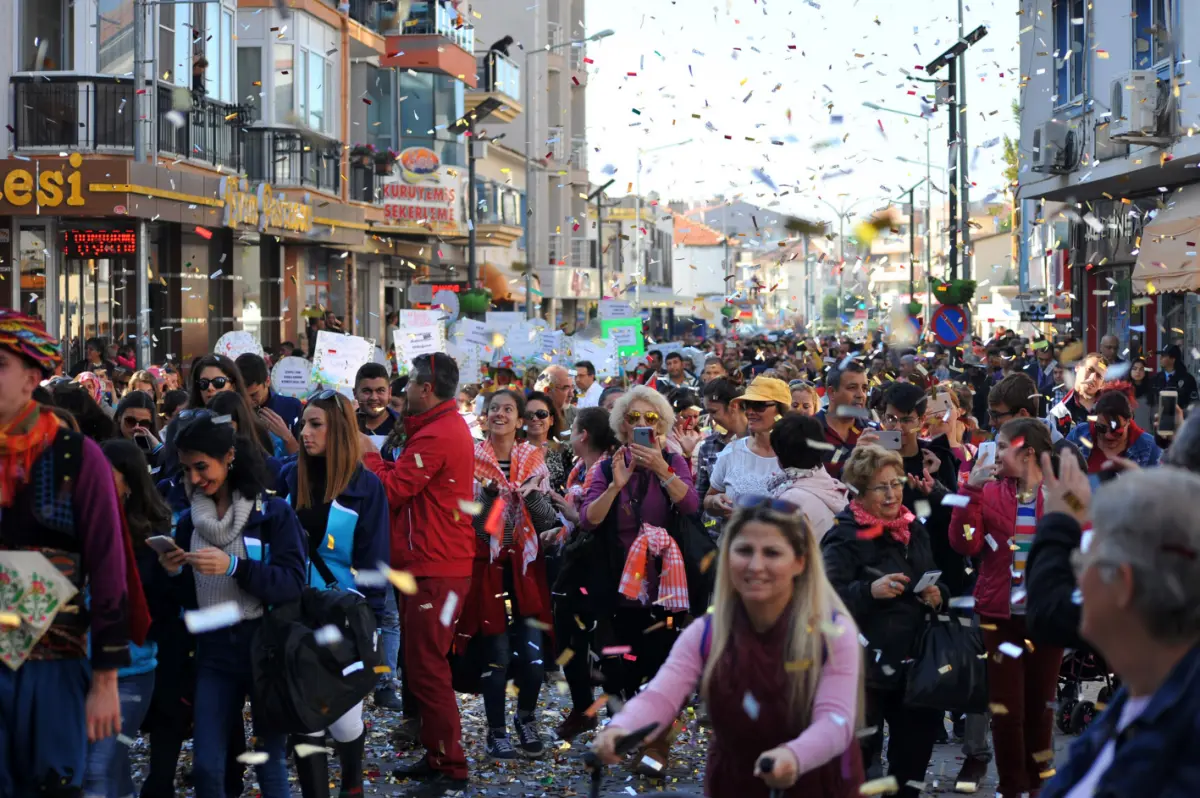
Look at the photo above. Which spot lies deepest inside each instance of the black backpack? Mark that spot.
(302, 686)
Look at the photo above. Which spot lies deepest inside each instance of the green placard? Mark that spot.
(626, 350)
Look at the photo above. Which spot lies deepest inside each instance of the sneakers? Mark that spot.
(970, 775)
(499, 747)
(528, 738)
(407, 734)
(576, 724)
(387, 699)
(438, 786)
(418, 769)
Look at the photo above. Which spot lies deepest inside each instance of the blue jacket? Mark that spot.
(1142, 450)
(1157, 755)
(273, 570)
(356, 537)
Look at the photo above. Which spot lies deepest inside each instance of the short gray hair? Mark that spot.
(666, 416)
(1145, 520)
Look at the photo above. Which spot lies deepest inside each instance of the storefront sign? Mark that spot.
(1113, 230)
(425, 194)
(98, 243)
(263, 208)
(46, 188)
(241, 207)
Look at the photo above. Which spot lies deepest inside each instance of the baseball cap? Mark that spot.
(1172, 351)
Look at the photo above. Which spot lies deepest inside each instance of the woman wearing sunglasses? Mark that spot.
(633, 494)
(234, 543)
(543, 428)
(875, 556)
(344, 514)
(137, 421)
(685, 433)
(997, 526)
(1114, 435)
(512, 487)
(211, 375)
(748, 464)
(773, 607)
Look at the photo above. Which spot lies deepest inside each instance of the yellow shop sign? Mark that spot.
(241, 207)
(18, 188)
(263, 209)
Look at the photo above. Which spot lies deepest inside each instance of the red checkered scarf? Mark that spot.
(525, 461)
(672, 582)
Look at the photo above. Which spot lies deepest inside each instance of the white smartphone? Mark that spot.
(929, 578)
(889, 439)
(162, 544)
(987, 453)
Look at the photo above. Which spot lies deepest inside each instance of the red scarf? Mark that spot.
(898, 527)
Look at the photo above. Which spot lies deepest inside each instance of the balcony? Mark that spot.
(556, 146)
(366, 185)
(376, 15)
(575, 57)
(433, 37)
(96, 114)
(285, 157)
(494, 229)
(555, 37)
(557, 251)
(499, 77)
(581, 253)
(579, 169)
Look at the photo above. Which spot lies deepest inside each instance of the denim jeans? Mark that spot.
(523, 643)
(43, 726)
(223, 681)
(108, 774)
(390, 632)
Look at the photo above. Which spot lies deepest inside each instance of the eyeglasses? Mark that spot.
(634, 417)
(129, 422)
(905, 420)
(750, 501)
(884, 488)
(994, 416)
(540, 415)
(757, 407)
(216, 382)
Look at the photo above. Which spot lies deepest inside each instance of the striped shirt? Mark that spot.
(1020, 544)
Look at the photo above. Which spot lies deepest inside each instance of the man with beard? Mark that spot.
(847, 417)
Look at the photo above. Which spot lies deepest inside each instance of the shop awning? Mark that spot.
(1167, 259)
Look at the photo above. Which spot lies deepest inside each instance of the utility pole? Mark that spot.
(141, 232)
(841, 266)
(472, 210)
(964, 191)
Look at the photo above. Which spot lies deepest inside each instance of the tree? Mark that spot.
(829, 307)
(1012, 152)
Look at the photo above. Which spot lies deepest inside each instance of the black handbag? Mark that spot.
(699, 559)
(949, 668)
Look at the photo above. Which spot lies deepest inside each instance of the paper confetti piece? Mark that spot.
(218, 616)
(469, 507)
(446, 617)
(885, 786)
(304, 749)
(328, 635)
(417, 457)
(494, 524)
(596, 706)
(945, 669)
(997, 709)
(11, 619)
(1011, 649)
(403, 581)
(955, 500)
(254, 758)
(750, 705)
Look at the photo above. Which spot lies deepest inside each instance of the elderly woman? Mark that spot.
(875, 556)
(1113, 433)
(1139, 576)
(748, 464)
(632, 498)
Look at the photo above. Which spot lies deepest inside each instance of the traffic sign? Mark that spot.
(949, 325)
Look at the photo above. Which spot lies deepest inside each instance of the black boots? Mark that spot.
(351, 756)
(312, 770)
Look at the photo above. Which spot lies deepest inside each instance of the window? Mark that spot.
(313, 88)
(284, 104)
(225, 57)
(167, 69)
(115, 37)
(433, 103)
(1151, 34)
(249, 79)
(1070, 53)
(48, 30)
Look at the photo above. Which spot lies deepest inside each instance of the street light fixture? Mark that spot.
(637, 219)
(598, 195)
(530, 192)
(842, 214)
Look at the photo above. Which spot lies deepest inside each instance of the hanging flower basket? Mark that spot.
(363, 154)
(915, 308)
(954, 292)
(475, 300)
(384, 161)
(729, 311)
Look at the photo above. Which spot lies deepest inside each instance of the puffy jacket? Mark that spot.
(433, 475)
(891, 626)
(1052, 616)
(991, 513)
(356, 535)
(819, 496)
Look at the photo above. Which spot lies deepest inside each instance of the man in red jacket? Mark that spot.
(432, 538)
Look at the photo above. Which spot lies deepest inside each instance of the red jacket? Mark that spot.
(433, 474)
(992, 512)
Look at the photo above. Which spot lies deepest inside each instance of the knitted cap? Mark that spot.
(26, 337)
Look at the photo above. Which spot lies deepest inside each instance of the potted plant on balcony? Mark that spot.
(363, 154)
(475, 300)
(953, 292)
(384, 161)
(914, 308)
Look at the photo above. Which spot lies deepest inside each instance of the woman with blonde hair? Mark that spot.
(144, 381)
(778, 630)
(343, 512)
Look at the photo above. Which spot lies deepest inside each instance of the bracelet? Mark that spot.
(666, 482)
(233, 564)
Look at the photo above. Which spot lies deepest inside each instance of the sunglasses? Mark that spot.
(216, 382)
(130, 422)
(635, 416)
(323, 396)
(540, 415)
(750, 501)
(757, 407)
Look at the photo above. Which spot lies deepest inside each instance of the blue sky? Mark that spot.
(743, 66)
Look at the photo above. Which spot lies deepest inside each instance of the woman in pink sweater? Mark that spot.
(777, 629)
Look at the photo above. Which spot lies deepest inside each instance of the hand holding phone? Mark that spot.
(162, 543)
(1167, 402)
(889, 439)
(927, 579)
(643, 436)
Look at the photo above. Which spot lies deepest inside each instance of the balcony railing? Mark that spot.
(77, 113)
(286, 157)
(500, 74)
(577, 53)
(557, 251)
(365, 184)
(581, 253)
(378, 15)
(579, 152)
(557, 145)
(432, 18)
(554, 34)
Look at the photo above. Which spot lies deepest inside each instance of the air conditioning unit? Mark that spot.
(1054, 148)
(1134, 105)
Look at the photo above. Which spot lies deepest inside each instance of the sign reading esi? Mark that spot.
(19, 186)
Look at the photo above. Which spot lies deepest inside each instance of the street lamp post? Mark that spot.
(530, 192)
(637, 220)
(842, 215)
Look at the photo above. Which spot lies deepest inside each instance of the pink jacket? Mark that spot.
(992, 513)
(834, 707)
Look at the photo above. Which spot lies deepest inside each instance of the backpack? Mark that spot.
(301, 685)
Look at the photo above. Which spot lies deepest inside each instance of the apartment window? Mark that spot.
(47, 34)
(314, 87)
(1070, 52)
(1151, 34)
(114, 38)
(225, 48)
(283, 67)
(167, 69)
(249, 79)
(434, 102)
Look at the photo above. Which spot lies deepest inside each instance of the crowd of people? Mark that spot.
(781, 518)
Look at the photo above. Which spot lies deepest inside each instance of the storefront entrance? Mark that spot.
(97, 288)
